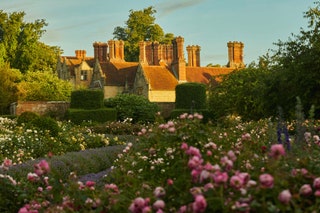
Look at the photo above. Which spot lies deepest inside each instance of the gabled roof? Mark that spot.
(74, 61)
(119, 73)
(159, 78)
(204, 74)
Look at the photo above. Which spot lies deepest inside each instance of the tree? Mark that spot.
(297, 66)
(20, 45)
(140, 26)
(44, 86)
(8, 87)
(282, 75)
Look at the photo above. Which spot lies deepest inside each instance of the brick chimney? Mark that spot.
(100, 51)
(80, 54)
(193, 56)
(235, 54)
(179, 63)
(116, 50)
(142, 52)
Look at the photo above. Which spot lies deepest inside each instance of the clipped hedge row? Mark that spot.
(191, 95)
(87, 99)
(101, 115)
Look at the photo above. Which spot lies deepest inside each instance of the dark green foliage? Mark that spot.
(290, 71)
(26, 117)
(20, 44)
(87, 99)
(242, 93)
(101, 115)
(191, 96)
(135, 107)
(140, 26)
(46, 123)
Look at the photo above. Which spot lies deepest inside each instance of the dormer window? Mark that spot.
(84, 75)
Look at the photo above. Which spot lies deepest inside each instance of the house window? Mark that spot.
(84, 75)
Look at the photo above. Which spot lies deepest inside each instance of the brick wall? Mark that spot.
(54, 108)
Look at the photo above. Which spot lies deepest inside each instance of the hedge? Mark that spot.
(87, 99)
(101, 115)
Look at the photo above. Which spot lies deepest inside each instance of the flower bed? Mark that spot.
(184, 165)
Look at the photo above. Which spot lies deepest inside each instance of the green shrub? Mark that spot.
(101, 115)
(46, 123)
(191, 96)
(87, 99)
(26, 117)
(135, 107)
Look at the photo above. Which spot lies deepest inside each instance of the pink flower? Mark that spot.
(193, 151)
(113, 187)
(32, 177)
(23, 210)
(41, 168)
(277, 150)
(204, 175)
(159, 204)
(90, 183)
(208, 186)
(266, 181)
(184, 146)
(159, 192)
(232, 156)
(170, 182)
(246, 137)
(200, 204)
(195, 162)
(183, 116)
(140, 205)
(317, 193)
(285, 196)
(305, 190)
(236, 182)
(183, 209)
(242, 206)
(220, 177)
(226, 162)
(316, 183)
(7, 162)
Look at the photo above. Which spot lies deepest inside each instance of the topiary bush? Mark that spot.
(26, 117)
(191, 96)
(135, 107)
(87, 99)
(46, 123)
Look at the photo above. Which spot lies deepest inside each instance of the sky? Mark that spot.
(211, 24)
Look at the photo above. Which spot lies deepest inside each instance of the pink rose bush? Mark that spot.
(185, 165)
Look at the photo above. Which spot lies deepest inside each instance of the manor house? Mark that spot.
(160, 68)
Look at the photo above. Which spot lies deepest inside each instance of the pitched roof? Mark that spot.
(119, 73)
(204, 74)
(159, 78)
(74, 61)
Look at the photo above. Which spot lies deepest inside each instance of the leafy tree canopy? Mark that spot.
(289, 71)
(44, 86)
(20, 45)
(140, 26)
(8, 87)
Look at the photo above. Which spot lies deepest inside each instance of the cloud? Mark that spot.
(168, 7)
